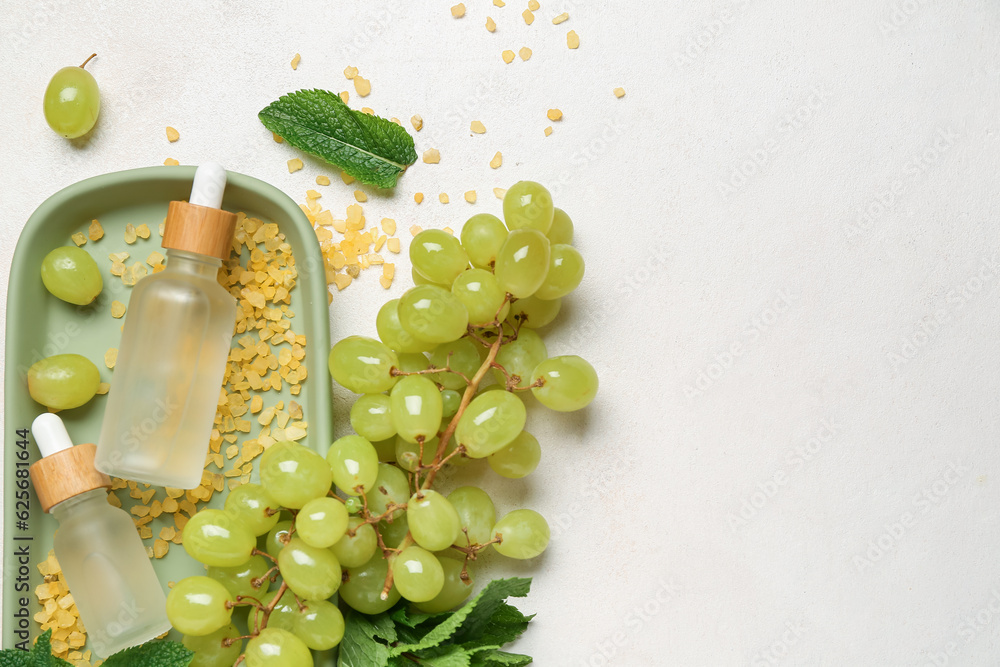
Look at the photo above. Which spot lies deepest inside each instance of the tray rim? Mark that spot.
(320, 426)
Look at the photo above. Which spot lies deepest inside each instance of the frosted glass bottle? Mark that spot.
(173, 351)
(117, 593)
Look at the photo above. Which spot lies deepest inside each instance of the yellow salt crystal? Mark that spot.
(499, 192)
(103, 388)
(170, 162)
(417, 121)
(322, 180)
(561, 18)
(350, 71)
(524, 52)
(497, 160)
(572, 40)
(277, 137)
(294, 165)
(458, 11)
(79, 238)
(95, 231)
(360, 196)
(443, 198)
(477, 127)
(110, 357)
(529, 18)
(554, 114)
(491, 25)
(392, 244)
(345, 96)
(172, 134)
(130, 235)
(548, 130)
(470, 196)
(362, 85)
(619, 92)
(508, 56)
(296, 60)
(432, 156)
(346, 178)
(117, 309)
(418, 197)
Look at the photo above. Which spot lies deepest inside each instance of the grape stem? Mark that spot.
(270, 607)
(92, 56)
(258, 552)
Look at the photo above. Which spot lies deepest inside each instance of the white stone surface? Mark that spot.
(793, 455)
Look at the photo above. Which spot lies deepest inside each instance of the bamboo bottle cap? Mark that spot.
(200, 229)
(67, 473)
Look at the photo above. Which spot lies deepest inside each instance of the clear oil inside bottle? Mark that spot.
(108, 572)
(170, 368)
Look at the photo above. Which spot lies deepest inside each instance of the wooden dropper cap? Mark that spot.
(65, 470)
(201, 226)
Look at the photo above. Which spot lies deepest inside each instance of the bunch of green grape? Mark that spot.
(364, 522)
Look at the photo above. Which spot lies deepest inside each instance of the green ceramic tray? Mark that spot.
(39, 325)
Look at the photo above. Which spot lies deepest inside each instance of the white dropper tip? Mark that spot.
(209, 184)
(50, 434)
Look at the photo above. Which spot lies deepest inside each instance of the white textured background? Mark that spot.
(827, 491)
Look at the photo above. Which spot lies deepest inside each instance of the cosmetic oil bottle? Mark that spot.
(173, 350)
(103, 560)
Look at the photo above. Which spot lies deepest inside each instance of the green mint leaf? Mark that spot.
(506, 625)
(470, 622)
(371, 149)
(40, 655)
(498, 658)
(361, 645)
(451, 656)
(411, 617)
(152, 654)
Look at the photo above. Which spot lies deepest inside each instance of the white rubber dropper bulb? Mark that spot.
(50, 434)
(209, 184)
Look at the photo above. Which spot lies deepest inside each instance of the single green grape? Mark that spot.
(294, 474)
(523, 533)
(310, 573)
(253, 506)
(408, 453)
(363, 365)
(454, 591)
(199, 606)
(416, 408)
(393, 532)
(320, 625)
(480, 293)
(533, 312)
(523, 262)
(63, 381)
(71, 274)
(565, 272)
(433, 521)
(528, 205)
(412, 363)
(363, 589)
(433, 314)
(321, 522)
(417, 574)
(462, 357)
(386, 449)
(353, 504)
(561, 230)
(391, 488)
(520, 357)
(392, 333)
(283, 616)
(491, 421)
(214, 537)
(72, 101)
(354, 551)
(239, 580)
(438, 256)
(518, 459)
(482, 237)
(450, 402)
(209, 650)
(567, 383)
(371, 417)
(277, 538)
(354, 463)
(275, 647)
(476, 514)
